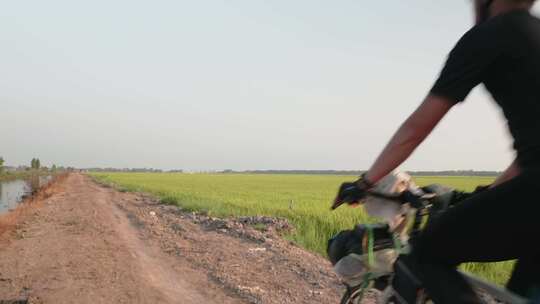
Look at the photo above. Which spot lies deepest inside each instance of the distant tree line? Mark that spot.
(312, 172)
(455, 173)
(358, 173)
(141, 170)
(35, 164)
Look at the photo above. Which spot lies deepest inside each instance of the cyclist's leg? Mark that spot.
(495, 225)
(525, 278)
(443, 283)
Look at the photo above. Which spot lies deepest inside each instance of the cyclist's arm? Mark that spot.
(466, 67)
(411, 133)
(507, 175)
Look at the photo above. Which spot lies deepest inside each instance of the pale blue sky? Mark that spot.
(233, 84)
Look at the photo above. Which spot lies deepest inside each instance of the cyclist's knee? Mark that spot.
(428, 250)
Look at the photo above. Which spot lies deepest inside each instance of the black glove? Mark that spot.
(351, 193)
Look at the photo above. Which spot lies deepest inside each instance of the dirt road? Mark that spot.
(91, 244)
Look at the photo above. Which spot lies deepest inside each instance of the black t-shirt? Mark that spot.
(503, 53)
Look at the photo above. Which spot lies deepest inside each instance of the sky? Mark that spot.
(234, 84)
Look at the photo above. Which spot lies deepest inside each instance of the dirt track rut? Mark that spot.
(80, 247)
(91, 244)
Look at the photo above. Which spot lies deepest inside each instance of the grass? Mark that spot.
(303, 199)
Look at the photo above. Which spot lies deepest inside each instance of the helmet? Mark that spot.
(482, 10)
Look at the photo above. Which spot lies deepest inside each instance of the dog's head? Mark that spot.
(390, 211)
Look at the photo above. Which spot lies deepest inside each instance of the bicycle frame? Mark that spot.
(494, 291)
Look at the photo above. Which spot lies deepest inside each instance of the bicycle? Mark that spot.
(376, 258)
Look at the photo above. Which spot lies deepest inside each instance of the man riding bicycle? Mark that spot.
(502, 51)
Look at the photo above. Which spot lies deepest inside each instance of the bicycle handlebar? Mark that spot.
(402, 198)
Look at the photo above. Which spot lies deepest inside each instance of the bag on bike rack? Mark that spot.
(349, 254)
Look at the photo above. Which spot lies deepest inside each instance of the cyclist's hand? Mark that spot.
(351, 193)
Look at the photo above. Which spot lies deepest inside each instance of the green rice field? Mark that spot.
(303, 199)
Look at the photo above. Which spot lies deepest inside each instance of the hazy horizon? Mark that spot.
(242, 85)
